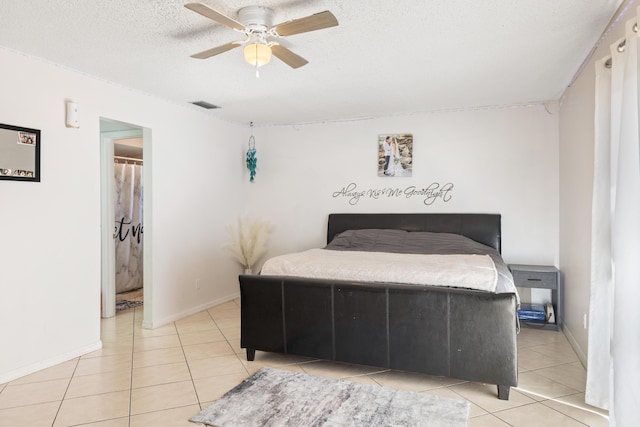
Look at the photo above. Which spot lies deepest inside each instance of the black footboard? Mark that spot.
(470, 335)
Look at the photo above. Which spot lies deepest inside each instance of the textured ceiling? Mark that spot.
(385, 58)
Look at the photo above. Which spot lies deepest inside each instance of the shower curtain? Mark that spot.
(128, 227)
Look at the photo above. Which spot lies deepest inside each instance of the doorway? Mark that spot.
(123, 262)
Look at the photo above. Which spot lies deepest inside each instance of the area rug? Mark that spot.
(129, 299)
(273, 397)
(124, 304)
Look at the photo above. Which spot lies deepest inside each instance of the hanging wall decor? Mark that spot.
(251, 159)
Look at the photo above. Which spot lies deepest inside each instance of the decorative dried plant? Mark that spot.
(249, 240)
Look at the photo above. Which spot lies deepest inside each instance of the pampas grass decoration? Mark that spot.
(249, 240)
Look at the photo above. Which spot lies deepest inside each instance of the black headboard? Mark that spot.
(483, 228)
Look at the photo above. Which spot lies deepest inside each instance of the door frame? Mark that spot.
(107, 219)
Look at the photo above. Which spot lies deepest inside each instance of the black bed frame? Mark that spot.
(459, 333)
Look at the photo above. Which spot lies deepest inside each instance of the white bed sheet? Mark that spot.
(459, 271)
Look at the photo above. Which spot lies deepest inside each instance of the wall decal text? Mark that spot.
(428, 194)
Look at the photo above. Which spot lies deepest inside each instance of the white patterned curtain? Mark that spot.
(613, 372)
(128, 227)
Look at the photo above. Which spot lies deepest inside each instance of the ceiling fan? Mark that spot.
(255, 22)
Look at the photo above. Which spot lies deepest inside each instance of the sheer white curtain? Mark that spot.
(613, 372)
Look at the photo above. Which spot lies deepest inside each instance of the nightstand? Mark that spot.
(541, 277)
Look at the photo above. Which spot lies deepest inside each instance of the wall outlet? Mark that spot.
(197, 283)
(584, 320)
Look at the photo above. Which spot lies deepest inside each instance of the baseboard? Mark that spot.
(52, 361)
(574, 344)
(189, 312)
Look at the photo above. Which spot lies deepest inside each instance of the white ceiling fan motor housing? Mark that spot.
(258, 19)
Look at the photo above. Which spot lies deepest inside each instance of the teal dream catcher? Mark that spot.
(251, 159)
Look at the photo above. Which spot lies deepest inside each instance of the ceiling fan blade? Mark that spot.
(216, 50)
(285, 55)
(313, 22)
(207, 12)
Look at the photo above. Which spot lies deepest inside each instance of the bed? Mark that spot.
(437, 330)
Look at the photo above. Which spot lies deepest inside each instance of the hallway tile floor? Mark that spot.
(162, 377)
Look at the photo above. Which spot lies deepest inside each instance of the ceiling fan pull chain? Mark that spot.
(257, 72)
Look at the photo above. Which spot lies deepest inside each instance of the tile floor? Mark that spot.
(162, 377)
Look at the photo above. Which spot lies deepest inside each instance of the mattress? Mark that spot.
(397, 256)
(460, 271)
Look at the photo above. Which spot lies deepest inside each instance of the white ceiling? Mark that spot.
(385, 58)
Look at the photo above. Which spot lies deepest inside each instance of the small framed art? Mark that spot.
(19, 153)
(395, 155)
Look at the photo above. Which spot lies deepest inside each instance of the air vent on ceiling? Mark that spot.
(205, 104)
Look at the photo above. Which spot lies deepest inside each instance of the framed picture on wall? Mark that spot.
(395, 155)
(19, 153)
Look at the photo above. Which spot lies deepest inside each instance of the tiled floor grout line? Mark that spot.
(186, 361)
(554, 409)
(65, 392)
(133, 350)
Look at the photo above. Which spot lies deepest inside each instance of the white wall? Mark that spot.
(576, 186)
(499, 160)
(50, 231)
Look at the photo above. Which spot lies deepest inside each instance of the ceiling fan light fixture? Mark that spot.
(257, 54)
(256, 24)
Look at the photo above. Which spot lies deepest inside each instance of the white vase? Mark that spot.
(248, 271)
